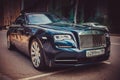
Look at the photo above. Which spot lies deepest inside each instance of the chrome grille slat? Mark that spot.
(91, 41)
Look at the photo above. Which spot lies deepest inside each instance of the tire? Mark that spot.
(36, 54)
(10, 46)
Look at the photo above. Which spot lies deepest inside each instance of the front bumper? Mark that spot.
(72, 57)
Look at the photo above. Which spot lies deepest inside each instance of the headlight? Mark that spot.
(64, 41)
(62, 37)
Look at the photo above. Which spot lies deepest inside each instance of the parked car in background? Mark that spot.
(51, 41)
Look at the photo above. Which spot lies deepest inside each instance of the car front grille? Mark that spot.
(91, 41)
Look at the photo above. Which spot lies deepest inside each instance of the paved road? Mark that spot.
(14, 65)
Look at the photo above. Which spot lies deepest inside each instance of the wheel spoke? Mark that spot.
(32, 54)
(35, 45)
(38, 61)
(33, 49)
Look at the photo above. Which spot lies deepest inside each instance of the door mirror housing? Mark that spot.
(20, 21)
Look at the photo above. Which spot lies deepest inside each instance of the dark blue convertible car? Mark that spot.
(52, 41)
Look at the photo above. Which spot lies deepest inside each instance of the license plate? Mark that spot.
(92, 53)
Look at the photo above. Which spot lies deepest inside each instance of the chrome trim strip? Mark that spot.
(65, 60)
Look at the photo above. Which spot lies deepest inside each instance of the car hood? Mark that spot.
(69, 27)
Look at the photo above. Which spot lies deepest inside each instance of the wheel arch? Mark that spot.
(38, 39)
(34, 37)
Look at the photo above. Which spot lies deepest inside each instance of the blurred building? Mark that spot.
(81, 10)
(10, 9)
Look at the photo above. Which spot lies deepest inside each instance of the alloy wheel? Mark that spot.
(35, 54)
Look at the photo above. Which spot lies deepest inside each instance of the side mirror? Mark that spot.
(21, 22)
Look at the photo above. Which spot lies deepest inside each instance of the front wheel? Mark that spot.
(36, 53)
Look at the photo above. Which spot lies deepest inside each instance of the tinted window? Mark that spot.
(44, 19)
(38, 19)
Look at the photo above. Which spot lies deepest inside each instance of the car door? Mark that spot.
(23, 34)
(13, 34)
(18, 31)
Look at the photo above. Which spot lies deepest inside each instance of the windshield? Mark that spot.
(38, 19)
(53, 18)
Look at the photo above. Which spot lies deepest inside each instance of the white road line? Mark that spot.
(106, 62)
(46, 74)
(115, 43)
(115, 36)
(51, 73)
